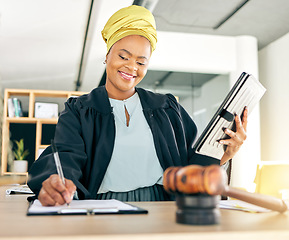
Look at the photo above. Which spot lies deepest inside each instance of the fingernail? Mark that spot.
(72, 195)
(66, 197)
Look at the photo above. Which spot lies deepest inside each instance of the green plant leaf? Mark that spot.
(19, 152)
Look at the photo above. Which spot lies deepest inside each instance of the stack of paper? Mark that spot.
(242, 206)
(19, 189)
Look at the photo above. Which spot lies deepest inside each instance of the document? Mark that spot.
(85, 207)
(241, 206)
(247, 91)
(19, 190)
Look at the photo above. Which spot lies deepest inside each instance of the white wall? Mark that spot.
(245, 162)
(203, 105)
(185, 52)
(274, 74)
(223, 55)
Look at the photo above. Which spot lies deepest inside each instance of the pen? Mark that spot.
(57, 163)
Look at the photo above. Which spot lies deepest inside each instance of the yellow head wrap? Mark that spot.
(132, 20)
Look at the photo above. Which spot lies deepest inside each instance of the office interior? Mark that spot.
(203, 47)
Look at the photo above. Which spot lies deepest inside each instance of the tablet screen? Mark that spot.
(247, 91)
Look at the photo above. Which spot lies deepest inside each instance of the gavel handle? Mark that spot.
(260, 200)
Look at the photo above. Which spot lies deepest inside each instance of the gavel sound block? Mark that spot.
(197, 191)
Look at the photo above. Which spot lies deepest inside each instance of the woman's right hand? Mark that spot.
(54, 192)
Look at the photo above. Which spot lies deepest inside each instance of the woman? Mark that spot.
(116, 141)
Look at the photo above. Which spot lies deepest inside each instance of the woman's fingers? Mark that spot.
(236, 138)
(71, 189)
(54, 192)
(45, 198)
(245, 118)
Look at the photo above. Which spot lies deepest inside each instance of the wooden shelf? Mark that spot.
(43, 146)
(31, 120)
(31, 95)
(15, 173)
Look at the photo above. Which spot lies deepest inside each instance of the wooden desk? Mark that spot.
(158, 224)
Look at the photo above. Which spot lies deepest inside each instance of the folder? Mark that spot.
(247, 91)
(85, 207)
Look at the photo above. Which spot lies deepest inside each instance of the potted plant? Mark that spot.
(20, 163)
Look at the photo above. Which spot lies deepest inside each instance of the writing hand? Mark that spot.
(236, 139)
(54, 192)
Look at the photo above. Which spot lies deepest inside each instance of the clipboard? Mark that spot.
(247, 91)
(85, 207)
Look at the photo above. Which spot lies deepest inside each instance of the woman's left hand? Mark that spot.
(236, 139)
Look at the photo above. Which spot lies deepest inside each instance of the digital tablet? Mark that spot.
(247, 91)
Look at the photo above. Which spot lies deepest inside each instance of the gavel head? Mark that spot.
(194, 179)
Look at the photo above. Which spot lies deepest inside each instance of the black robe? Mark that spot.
(85, 135)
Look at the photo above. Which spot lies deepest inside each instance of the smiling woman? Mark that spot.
(116, 141)
(127, 63)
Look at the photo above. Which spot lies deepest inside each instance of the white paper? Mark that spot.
(19, 189)
(242, 206)
(95, 206)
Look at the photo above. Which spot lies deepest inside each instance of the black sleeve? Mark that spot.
(190, 130)
(71, 151)
(191, 135)
(203, 160)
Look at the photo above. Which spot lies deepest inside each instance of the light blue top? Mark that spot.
(134, 162)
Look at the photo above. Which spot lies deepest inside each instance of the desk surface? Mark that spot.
(159, 224)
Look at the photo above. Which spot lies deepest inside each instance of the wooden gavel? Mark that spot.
(212, 180)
